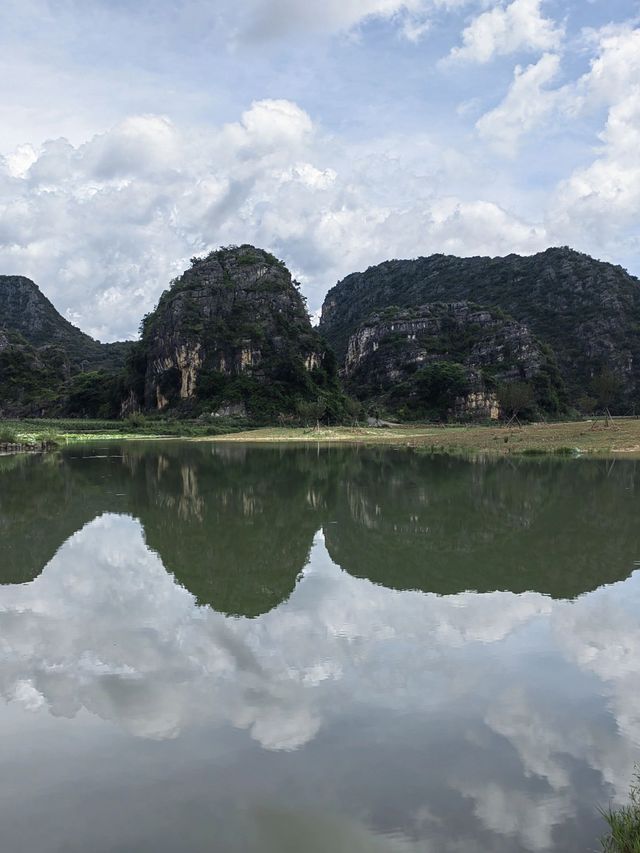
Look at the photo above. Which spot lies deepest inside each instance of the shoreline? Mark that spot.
(571, 439)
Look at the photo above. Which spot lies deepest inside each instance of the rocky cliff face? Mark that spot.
(587, 311)
(447, 359)
(233, 330)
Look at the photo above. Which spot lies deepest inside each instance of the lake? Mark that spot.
(220, 647)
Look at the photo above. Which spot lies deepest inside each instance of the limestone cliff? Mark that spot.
(233, 329)
(447, 359)
(586, 311)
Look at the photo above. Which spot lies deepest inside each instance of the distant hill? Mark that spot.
(44, 359)
(24, 309)
(586, 311)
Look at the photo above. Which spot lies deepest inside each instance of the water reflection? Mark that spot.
(351, 715)
(235, 524)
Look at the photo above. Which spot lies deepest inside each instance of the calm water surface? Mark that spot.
(329, 650)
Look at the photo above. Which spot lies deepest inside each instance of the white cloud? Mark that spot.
(104, 226)
(503, 30)
(602, 200)
(528, 102)
(615, 66)
(104, 222)
(137, 147)
(20, 161)
(597, 204)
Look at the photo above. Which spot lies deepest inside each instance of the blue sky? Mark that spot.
(136, 134)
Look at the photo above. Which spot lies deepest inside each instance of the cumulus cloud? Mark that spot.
(602, 199)
(104, 221)
(527, 104)
(519, 26)
(103, 226)
(597, 203)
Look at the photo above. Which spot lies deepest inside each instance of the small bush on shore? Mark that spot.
(8, 436)
(624, 824)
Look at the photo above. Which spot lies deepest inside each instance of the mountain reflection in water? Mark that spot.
(357, 649)
(234, 524)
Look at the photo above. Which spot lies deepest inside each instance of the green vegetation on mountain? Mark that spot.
(445, 360)
(437, 338)
(586, 311)
(232, 336)
(42, 356)
(24, 309)
(29, 377)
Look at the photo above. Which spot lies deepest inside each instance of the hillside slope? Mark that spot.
(232, 333)
(445, 359)
(25, 310)
(586, 310)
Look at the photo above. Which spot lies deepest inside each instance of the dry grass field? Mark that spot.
(622, 436)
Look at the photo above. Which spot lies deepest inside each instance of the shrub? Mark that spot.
(8, 435)
(136, 421)
(624, 824)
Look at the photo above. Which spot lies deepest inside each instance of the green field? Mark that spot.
(61, 431)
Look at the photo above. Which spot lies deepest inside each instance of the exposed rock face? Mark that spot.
(587, 311)
(387, 356)
(232, 326)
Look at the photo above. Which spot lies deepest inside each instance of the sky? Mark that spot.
(135, 134)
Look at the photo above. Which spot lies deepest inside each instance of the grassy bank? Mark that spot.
(34, 433)
(623, 437)
(624, 824)
(583, 437)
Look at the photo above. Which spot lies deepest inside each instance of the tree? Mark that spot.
(587, 404)
(605, 387)
(514, 398)
(95, 394)
(310, 411)
(353, 409)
